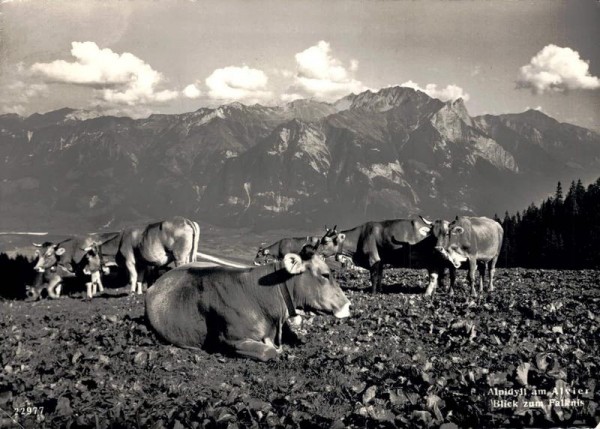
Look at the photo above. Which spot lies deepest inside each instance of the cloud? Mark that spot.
(191, 91)
(121, 79)
(319, 75)
(450, 92)
(556, 69)
(18, 90)
(238, 84)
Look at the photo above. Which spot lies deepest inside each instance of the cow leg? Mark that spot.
(471, 275)
(452, 280)
(376, 274)
(433, 281)
(100, 285)
(88, 289)
(492, 270)
(481, 269)
(254, 349)
(133, 274)
(54, 287)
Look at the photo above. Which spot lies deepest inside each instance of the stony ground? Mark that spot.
(401, 360)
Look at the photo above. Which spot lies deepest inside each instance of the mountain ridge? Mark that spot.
(392, 153)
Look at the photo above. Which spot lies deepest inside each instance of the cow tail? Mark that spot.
(195, 239)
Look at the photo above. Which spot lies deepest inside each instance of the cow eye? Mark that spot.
(326, 275)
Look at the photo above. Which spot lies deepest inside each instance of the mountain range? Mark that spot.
(374, 155)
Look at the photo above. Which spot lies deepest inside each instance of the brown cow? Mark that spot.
(398, 242)
(476, 240)
(157, 245)
(326, 245)
(66, 258)
(242, 310)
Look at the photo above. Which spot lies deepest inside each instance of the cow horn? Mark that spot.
(334, 229)
(425, 221)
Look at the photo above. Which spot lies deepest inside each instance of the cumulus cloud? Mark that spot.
(450, 92)
(191, 91)
(556, 69)
(121, 79)
(18, 89)
(238, 84)
(319, 75)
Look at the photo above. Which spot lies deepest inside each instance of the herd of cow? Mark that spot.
(246, 310)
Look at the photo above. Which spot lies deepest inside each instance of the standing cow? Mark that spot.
(242, 310)
(327, 246)
(156, 245)
(56, 261)
(476, 240)
(399, 243)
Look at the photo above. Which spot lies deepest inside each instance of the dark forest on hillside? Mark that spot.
(563, 232)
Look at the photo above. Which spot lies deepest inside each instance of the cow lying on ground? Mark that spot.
(155, 246)
(327, 246)
(476, 240)
(241, 310)
(399, 243)
(66, 258)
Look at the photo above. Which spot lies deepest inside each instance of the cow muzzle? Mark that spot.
(343, 312)
(39, 269)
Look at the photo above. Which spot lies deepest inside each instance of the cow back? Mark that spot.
(482, 237)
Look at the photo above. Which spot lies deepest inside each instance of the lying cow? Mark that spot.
(476, 240)
(399, 243)
(155, 246)
(327, 246)
(66, 258)
(242, 310)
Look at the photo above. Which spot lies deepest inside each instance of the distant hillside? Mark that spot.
(395, 152)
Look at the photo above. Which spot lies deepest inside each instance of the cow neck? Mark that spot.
(58, 265)
(350, 243)
(285, 292)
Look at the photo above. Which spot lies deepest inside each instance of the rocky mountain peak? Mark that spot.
(385, 99)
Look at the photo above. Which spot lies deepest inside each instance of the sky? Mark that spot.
(137, 57)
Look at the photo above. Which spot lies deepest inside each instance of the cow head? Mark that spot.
(448, 241)
(331, 243)
(263, 256)
(313, 285)
(93, 263)
(48, 256)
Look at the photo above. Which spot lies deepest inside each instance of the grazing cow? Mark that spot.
(155, 246)
(56, 261)
(476, 240)
(242, 310)
(326, 245)
(399, 243)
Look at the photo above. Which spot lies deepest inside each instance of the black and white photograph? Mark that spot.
(299, 214)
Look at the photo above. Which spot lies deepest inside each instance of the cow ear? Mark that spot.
(424, 231)
(266, 252)
(458, 230)
(293, 263)
(341, 237)
(59, 251)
